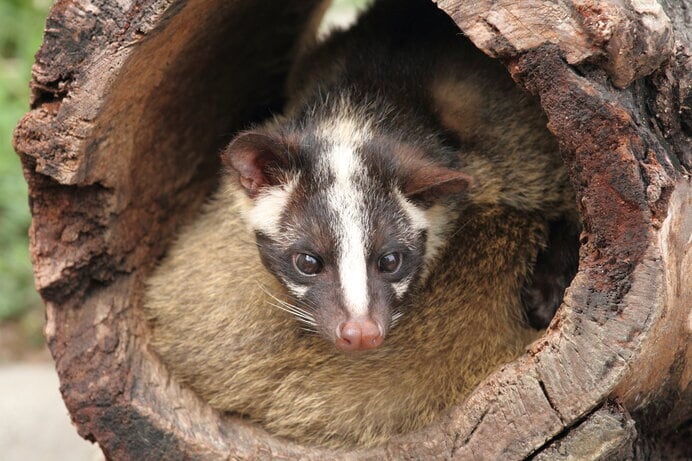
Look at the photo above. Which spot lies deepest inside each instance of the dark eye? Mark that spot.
(307, 264)
(389, 263)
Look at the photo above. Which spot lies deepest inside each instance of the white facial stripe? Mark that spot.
(353, 270)
(345, 135)
(343, 164)
(345, 200)
(265, 214)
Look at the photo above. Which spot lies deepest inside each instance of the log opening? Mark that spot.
(131, 103)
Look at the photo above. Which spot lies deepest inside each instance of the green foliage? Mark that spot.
(21, 25)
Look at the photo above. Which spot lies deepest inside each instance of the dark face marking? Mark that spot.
(338, 216)
(392, 252)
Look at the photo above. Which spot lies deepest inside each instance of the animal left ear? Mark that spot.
(258, 158)
(432, 183)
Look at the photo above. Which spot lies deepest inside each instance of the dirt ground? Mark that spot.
(21, 340)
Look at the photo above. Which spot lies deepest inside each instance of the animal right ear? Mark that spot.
(429, 183)
(259, 159)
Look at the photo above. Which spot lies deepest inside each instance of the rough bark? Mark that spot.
(132, 100)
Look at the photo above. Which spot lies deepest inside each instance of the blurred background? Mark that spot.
(34, 424)
(21, 311)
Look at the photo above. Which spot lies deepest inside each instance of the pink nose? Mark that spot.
(358, 335)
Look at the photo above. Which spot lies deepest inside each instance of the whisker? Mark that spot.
(396, 316)
(302, 316)
(293, 306)
(459, 229)
(306, 303)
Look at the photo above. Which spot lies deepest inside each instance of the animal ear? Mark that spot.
(259, 159)
(431, 183)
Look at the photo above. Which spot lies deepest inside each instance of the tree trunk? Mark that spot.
(133, 100)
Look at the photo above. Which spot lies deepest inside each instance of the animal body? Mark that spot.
(405, 193)
(216, 325)
(391, 129)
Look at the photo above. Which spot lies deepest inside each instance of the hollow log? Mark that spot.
(131, 101)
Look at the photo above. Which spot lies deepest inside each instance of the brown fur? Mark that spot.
(505, 144)
(505, 141)
(214, 327)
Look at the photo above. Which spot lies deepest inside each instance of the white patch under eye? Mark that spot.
(401, 287)
(297, 290)
(268, 207)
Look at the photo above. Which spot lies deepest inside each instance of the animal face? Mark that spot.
(345, 219)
